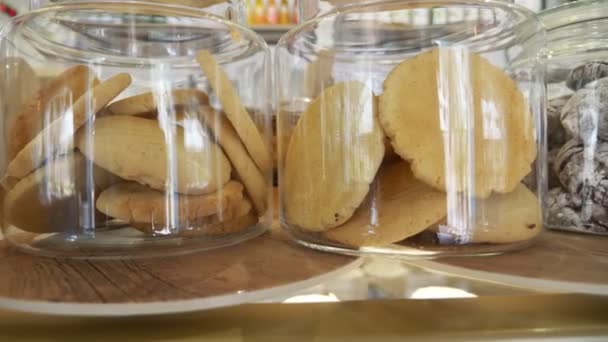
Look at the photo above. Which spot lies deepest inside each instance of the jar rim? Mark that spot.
(360, 7)
(554, 18)
(134, 7)
(576, 28)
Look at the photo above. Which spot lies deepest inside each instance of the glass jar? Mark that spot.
(418, 140)
(234, 10)
(133, 138)
(577, 114)
(312, 8)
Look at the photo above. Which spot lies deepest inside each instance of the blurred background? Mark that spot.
(278, 15)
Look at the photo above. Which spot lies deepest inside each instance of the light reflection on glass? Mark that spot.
(313, 298)
(457, 118)
(438, 292)
(166, 118)
(492, 120)
(58, 118)
(195, 136)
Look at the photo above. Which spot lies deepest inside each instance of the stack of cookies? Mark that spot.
(445, 156)
(164, 163)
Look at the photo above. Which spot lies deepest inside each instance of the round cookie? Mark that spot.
(133, 202)
(227, 227)
(68, 86)
(489, 151)
(399, 206)
(235, 111)
(137, 149)
(146, 102)
(54, 139)
(248, 173)
(171, 115)
(507, 218)
(332, 158)
(244, 217)
(18, 85)
(241, 217)
(51, 198)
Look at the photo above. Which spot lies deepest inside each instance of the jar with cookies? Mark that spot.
(577, 131)
(414, 139)
(135, 138)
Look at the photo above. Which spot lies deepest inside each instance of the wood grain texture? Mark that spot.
(556, 256)
(267, 261)
(503, 318)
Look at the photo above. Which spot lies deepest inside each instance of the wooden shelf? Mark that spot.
(272, 33)
(555, 262)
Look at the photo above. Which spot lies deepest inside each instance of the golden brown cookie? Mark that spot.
(255, 184)
(332, 158)
(56, 138)
(242, 218)
(486, 121)
(213, 227)
(172, 115)
(147, 102)
(18, 85)
(508, 218)
(137, 149)
(51, 198)
(397, 207)
(226, 227)
(58, 94)
(235, 111)
(8, 182)
(237, 218)
(133, 202)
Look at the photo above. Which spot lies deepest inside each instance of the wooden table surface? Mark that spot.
(480, 319)
(557, 261)
(183, 282)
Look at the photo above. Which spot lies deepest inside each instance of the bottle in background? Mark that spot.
(250, 11)
(284, 12)
(259, 16)
(295, 14)
(272, 15)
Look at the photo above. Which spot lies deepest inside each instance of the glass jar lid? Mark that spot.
(131, 33)
(575, 28)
